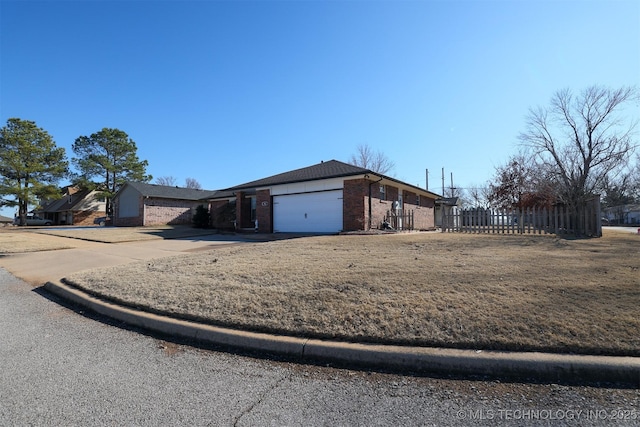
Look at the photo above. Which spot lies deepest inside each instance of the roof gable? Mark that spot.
(67, 202)
(323, 170)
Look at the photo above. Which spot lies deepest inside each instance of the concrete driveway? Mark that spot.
(37, 268)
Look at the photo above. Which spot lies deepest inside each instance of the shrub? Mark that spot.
(201, 219)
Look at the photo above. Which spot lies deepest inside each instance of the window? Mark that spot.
(382, 192)
(417, 200)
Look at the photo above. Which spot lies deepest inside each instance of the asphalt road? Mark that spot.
(62, 367)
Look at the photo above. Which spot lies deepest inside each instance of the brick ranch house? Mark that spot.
(142, 204)
(328, 197)
(76, 207)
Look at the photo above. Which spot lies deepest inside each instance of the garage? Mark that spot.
(319, 212)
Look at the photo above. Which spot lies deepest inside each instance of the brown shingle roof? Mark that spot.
(168, 192)
(67, 203)
(324, 170)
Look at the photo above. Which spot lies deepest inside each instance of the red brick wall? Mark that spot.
(409, 199)
(222, 214)
(86, 217)
(392, 193)
(356, 206)
(379, 209)
(264, 211)
(354, 201)
(423, 214)
(239, 200)
(169, 211)
(154, 211)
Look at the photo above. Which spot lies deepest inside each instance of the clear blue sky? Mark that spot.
(229, 92)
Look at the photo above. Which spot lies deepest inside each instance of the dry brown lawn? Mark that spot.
(430, 289)
(17, 241)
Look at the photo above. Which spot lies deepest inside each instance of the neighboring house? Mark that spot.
(5, 220)
(623, 214)
(328, 197)
(142, 204)
(76, 207)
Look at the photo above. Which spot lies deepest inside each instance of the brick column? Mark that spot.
(239, 199)
(264, 211)
(355, 205)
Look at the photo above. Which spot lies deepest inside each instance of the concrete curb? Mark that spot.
(540, 366)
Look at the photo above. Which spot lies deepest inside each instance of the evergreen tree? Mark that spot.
(202, 218)
(30, 165)
(106, 160)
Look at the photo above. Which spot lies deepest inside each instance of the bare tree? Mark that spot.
(166, 180)
(521, 183)
(376, 161)
(465, 199)
(479, 196)
(192, 183)
(582, 139)
(619, 191)
(635, 179)
(511, 182)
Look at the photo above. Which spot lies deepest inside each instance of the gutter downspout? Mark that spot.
(370, 184)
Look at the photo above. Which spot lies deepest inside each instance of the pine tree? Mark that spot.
(30, 165)
(106, 160)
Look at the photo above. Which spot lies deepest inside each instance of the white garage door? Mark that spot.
(308, 212)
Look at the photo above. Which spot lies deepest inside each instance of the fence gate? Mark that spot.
(398, 219)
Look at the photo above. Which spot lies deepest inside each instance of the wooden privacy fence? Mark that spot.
(554, 220)
(398, 220)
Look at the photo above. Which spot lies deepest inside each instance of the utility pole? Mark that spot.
(426, 182)
(443, 195)
(452, 187)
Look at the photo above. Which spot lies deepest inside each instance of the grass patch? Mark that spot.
(464, 291)
(23, 241)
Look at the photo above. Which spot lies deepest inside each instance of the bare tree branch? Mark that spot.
(583, 138)
(192, 183)
(169, 181)
(376, 161)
